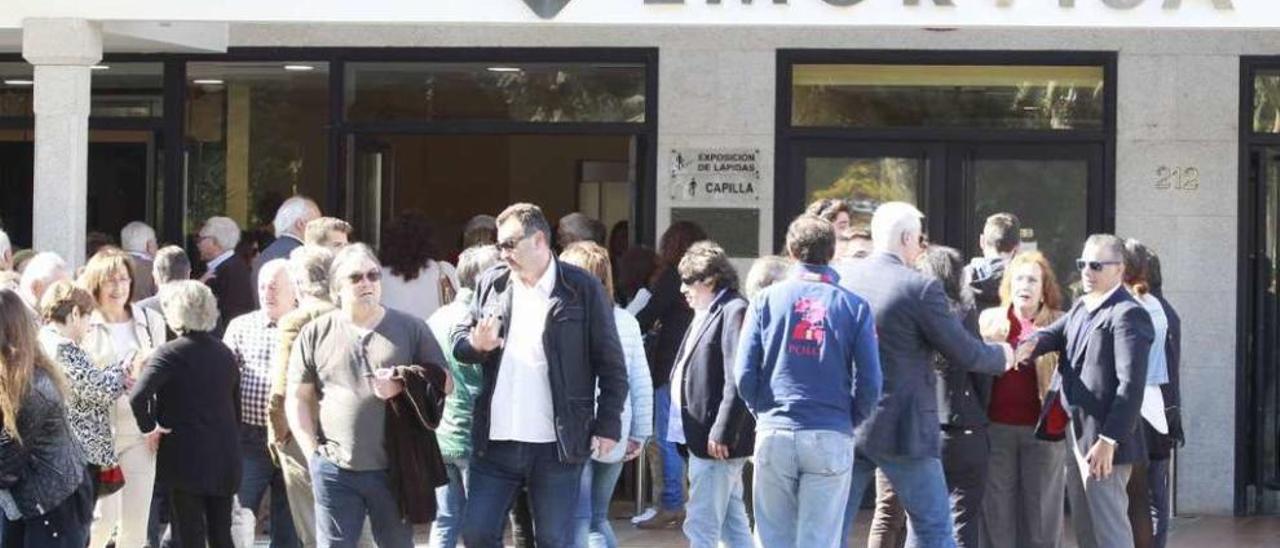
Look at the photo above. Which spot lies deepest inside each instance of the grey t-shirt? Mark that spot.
(339, 358)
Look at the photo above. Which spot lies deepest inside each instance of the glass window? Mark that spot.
(1266, 101)
(997, 97)
(866, 182)
(256, 133)
(120, 90)
(527, 92)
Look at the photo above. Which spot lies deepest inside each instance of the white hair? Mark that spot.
(271, 268)
(44, 268)
(136, 235)
(891, 221)
(291, 211)
(5, 245)
(309, 270)
(223, 230)
(188, 306)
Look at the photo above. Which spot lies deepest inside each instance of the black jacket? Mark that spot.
(710, 407)
(963, 396)
(668, 315)
(1103, 371)
(233, 287)
(417, 468)
(48, 464)
(191, 385)
(582, 348)
(982, 276)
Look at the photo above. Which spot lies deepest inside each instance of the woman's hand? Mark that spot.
(153, 437)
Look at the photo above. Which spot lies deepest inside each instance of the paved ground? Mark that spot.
(1189, 532)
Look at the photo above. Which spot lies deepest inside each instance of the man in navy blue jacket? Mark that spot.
(808, 367)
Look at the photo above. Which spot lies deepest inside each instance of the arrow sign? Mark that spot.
(546, 9)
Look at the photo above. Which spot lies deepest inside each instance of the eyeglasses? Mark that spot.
(510, 244)
(1095, 266)
(372, 276)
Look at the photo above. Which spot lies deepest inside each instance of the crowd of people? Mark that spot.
(363, 392)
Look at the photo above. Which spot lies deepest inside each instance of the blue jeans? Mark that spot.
(715, 511)
(258, 474)
(592, 518)
(451, 505)
(797, 475)
(345, 497)
(922, 488)
(497, 475)
(672, 463)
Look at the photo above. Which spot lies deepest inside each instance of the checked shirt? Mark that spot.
(254, 339)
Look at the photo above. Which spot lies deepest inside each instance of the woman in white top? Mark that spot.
(600, 476)
(413, 281)
(119, 331)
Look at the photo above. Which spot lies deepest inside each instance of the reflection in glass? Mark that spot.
(1266, 101)
(999, 97)
(527, 92)
(256, 134)
(1265, 369)
(1048, 197)
(865, 182)
(119, 90)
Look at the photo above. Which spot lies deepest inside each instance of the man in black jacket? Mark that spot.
(1104, 341)
(543, 331)
(229, 277)
(999, 242)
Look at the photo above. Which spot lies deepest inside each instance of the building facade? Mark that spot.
(1082, 117)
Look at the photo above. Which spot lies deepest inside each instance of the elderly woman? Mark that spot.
(193, 384)
(706, 414)
(45, 491)
(601, 476)
(121, 332)
(94, 390)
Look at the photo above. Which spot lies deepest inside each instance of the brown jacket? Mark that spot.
(289, 325)
(416, 467)
(994, 325)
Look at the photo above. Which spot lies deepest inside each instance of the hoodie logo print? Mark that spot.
(810, 331)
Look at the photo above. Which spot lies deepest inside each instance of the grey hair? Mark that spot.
(223, 230)
(765, 272)
(171, 264)
(891, 221)
(309, 270)
(1110, 242)
(5, 245)
(473, 261)
(290, 212)
(269, 270)
(189, 306)
(44, 268)
(135, 236)
(578, 227)
(349, 254)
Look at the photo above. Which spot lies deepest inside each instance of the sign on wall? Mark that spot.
(728, 175)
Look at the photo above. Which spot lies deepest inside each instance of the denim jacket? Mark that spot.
(54, 466)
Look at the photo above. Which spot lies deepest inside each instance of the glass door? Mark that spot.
(370, 186)
(867, 174)
(1262, 362)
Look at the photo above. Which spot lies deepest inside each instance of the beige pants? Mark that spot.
(130, 507)
(297, 487)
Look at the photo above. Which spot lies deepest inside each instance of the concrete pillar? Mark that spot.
(61, 50)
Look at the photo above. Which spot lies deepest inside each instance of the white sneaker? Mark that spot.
(646, 515)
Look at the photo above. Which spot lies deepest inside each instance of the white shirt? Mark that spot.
(419, 297)
(521, 409)
(217, 261)
(123, 338)
(675, 426)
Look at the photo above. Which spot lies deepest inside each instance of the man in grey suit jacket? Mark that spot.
(1104, 341)
(913, 321)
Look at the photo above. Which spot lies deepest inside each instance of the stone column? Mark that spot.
(61, 50)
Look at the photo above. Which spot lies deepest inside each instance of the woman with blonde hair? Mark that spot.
(45, 489)
(1023, 502)
(121, 332)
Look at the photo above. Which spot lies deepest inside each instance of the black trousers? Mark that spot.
(197, 517)
(66, 526)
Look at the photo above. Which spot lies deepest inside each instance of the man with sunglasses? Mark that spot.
(1104, 341)
(336, 401)
(913, 321)
(543, 333)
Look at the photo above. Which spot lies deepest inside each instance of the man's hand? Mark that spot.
(384, 386)
(1099, 459)
(206, 277)
(448, 381)
(1025, 350)
(602, 446)
(152, 438)
(717, 450)
(484, 336)
(634, 447)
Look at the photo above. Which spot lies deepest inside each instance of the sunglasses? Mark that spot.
(510, 245)
(1095, 266)
(372, 276)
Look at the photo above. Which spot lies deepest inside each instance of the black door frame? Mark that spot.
(789, 140)
(175, 89)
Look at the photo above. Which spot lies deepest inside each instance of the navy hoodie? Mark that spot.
(808, 358)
